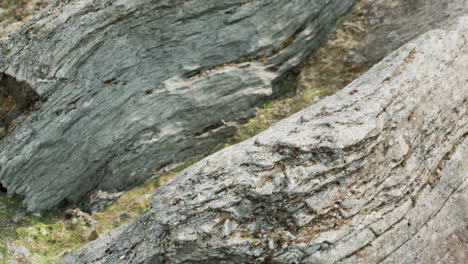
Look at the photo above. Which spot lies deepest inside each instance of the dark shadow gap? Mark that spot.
(16, 99)
(3, 189)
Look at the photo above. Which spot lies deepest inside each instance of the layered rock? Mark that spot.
(376, 173)
(392, 23)
(128, 87)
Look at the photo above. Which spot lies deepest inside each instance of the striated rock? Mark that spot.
(125, 88)
(392, 23)
(377, 173)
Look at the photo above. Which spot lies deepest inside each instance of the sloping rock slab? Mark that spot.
(377, 173)
(392, 23)
(128, 87)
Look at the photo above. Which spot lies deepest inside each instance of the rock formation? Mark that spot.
(392, 23)
(126, 88)
(377, 173)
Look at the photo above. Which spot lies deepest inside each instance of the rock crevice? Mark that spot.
(17, 98)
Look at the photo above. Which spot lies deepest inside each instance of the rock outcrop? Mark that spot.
(392, 23)
(376, 173)
(126, 88)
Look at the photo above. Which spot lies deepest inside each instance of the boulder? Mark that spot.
(123, 88)
(392, 23)
(376, 173)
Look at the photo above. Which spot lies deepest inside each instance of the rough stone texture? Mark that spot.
(377, 173)
(392, 23)
(128, 87)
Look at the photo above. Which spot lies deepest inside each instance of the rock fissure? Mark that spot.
(17, 98)
(3, 189)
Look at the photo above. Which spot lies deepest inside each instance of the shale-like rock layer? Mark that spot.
(129, 87)
(377, 173)
(392, 23)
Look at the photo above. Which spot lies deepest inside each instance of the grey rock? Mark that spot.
(76, 215)
(18, 217)
(392, 23)
(100, 200)
(128, 87)
(122, 216)
(376, 173)
(19, 255)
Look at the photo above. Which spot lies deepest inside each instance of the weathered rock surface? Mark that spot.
(377, 173)
(392, 23)
(128, 87)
